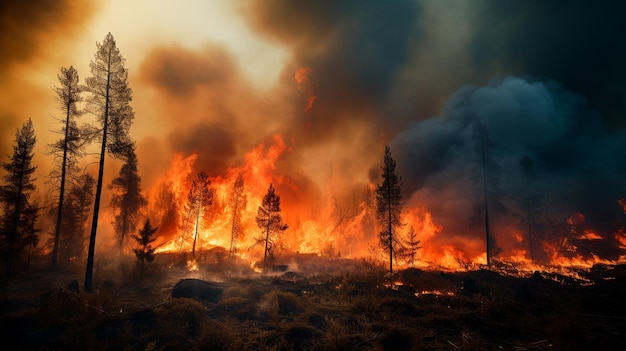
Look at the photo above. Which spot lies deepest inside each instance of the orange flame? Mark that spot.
(351, 231)
(304, 85)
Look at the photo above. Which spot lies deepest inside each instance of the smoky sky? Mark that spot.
(546, 78)
(29, 32)
(26, 26)
(179, 72)
(580, 164)
(355, 49)
(577, 43)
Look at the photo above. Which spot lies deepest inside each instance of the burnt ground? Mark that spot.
(314, 304)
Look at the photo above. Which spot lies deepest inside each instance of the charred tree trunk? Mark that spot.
(195, 236)
(96, 206)
(267, 239)
(488, 242)
(232, 230)
(390, 234)
(15, 225)
(57, 229)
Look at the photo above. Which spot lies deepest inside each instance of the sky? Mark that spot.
(339, 80)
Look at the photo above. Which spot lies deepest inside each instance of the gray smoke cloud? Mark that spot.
(579, 162)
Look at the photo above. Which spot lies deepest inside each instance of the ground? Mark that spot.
(314, 303)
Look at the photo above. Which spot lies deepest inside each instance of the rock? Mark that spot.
(73, 286)
(197, 289)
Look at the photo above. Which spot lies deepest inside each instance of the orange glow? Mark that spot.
(621, 238)
(304, 85)
(258, 172)
(334, 231)
(435, 293)
(590, 235)
(192, 266)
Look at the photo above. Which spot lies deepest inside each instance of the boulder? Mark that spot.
(197, 289)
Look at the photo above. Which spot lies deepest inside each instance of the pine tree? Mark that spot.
(31, 232)
(388, 209)
(68, 148)
(238, 204)
(15, 194)
(270, 221)
(200, 198)
(412, 245)
(109, 102)
(487, 186)
(127, 200)
(145, 252)
(164, 208)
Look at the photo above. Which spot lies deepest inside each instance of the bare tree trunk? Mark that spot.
(57, 230)
(267, 239)
(232, 230)
(390, 233)
(96, 207)
(488, 242)
(530, 228)
(195, 237)
(15, 224)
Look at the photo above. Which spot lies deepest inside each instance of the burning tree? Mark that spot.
(529, 202)
(145, 252)
(200, 197)
(109, 102)
(412, 245)
(68, 148)
(127, 200)
(15, 194)
(238, 203)
(270, 221)
(388, 208)
(487, 186)
(164, 208)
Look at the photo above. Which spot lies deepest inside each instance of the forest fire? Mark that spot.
(320, 175)
(333, 230)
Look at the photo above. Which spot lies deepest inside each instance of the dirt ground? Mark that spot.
(313, 303)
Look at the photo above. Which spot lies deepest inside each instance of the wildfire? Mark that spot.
(334, 229)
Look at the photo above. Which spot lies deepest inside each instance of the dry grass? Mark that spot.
(347, 309)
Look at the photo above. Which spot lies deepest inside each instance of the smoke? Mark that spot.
(354, 49)
(576, 43)
(35, 36)
(359, 75)
(579, 162)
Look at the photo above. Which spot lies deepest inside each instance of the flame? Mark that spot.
(434, 292)
(335, 230)
(304, 85)
(192, 266)
(258, 171)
